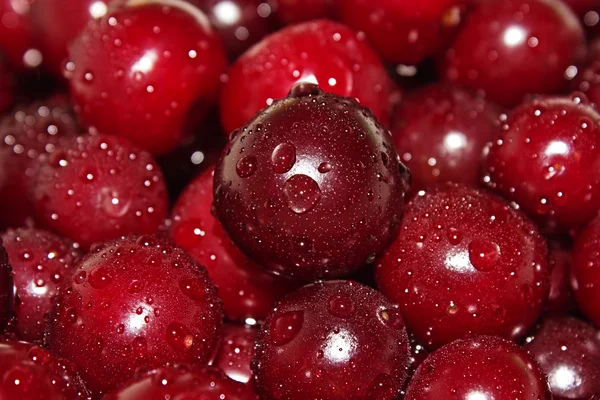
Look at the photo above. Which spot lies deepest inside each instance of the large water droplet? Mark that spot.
(179, 336)
(483, 254)
(193, 288)
(341, 305)
(286, 327)
(392, 318)
(324, 167)
(302, 193)
(246, 166)
(100, 278)
(283, 157)
(454, 236)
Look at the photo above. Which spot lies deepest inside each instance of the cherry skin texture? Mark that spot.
(332, 340)
(403, 31)
(17, 39)
(235, 352)
(440, 132)
(560, 299)
(293, 11)
(465, 262)
(546, 158)
(312, 187)
(246, 291)
(484, 367)
(568, 351)
(585, 271)
(41, 261)
(97, 188)
(510, 48)
(135, 301)
(6, 287)
(321, 52)
(155, 75)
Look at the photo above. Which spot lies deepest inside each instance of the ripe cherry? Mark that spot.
(293, 11)
(6, 287)
(465, 262)
(585, 271)
(560, 299)
(311, 187)
(235, 352)
(333, 340)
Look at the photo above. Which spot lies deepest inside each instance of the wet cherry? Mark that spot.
(6, 287)
(235, 352)
(585, 271)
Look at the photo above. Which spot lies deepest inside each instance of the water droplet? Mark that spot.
(286, 327)
(80, 277)
(452, 308)
(302, 193)
(140, 347)
(341, 305)
(483, 254)
(303, 89)
(193, 288)
(100, 278)
(135, 286)
(69, 316)
(283, 157)
(383, 388)
(454, 236)
(246, 166)
(324, 167)
(303, 245)
(179, 336)
(392, 318)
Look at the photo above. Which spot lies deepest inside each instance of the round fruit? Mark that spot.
(6, 287)
(332, 340)
(585, 271)
(312, 187)
(235, 352)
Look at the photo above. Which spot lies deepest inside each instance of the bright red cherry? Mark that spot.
(585, 271)
(465, 262)
(546, 158)
(560, 299)
(588, 12)
(7, 86)
(440, 132)
(6, 287)
(17, 39)
(147, 71)
(568, 351)
(332, 340)
(510, 48)
(320, 52)
(30, 372)
(293, 11)
(312, 186)
(235, 352)
(403, 31)
(481, 367)
(97, 188)
(135, 301)
(41, 261)
(587, 80)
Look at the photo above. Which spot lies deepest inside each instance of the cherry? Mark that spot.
(589, 13)
(135, 301)
(546, 158)
(585, 271)
(560, 299)
(182, 382)
(587, 80)
(41, 261)
(236, 351)
(31, 372)
(465, 262)
(481, 367)
(138, 94)
(6, 287)
(17, 39)
(293, 11)
(568, 351)
(97, 188)
(403, 32)
(333, 340)
(510, 48)
(7, 86)
(321, 52)
(440, 132)
(312, 186)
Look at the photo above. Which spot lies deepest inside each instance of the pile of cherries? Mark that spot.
(300, 199)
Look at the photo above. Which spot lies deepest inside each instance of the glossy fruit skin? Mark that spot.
(546, 158)
(482, 366)
(560, 299)
(247, 292)
(320, 339)
(403, 32)
(151, 105)
(568, 352)
(465, 262)
(97, 188)
(182, 382)
(16, 34)
(31, 372)
(294, 11)
(510, 48)
(585, 271)
(322, 52)
(235, 352)
(440, 132)
(135, 301)
(40, 261)
(312, 187)
(6, 287)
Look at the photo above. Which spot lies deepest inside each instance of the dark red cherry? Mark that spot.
(312, 186)
(440, 132)
(588, 12)
(321, 52)
(587, 80)
(235, 352)
(31, 372)
(568, 351)
(163, 77)
(481, 367)
(41, 261)
(510, 48)
(183, 382)
(332, 340)
(96, 188)
(247, 292)
(17, 39)
(560, 299)
(465, 262)
(135, 301)
(546, 158)
(585, 271)
(6, 287)
(7, 86)
(403, 31)
(293, 11)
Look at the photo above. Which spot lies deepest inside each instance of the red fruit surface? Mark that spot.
(7, 86)
(6, 287)
(235, 352)
(510, 48)
(465, 262)
(312, 187)
(568, 351)
(546, 158)
(97, 188)
(293, 11)
(17, 39)
(440, 131)
(136, 301)
(321, 52)
(41, 261)
(585, 271)
(560, 299)
(148, 72)
(484, 367)
(246, 291)
(332, 340)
